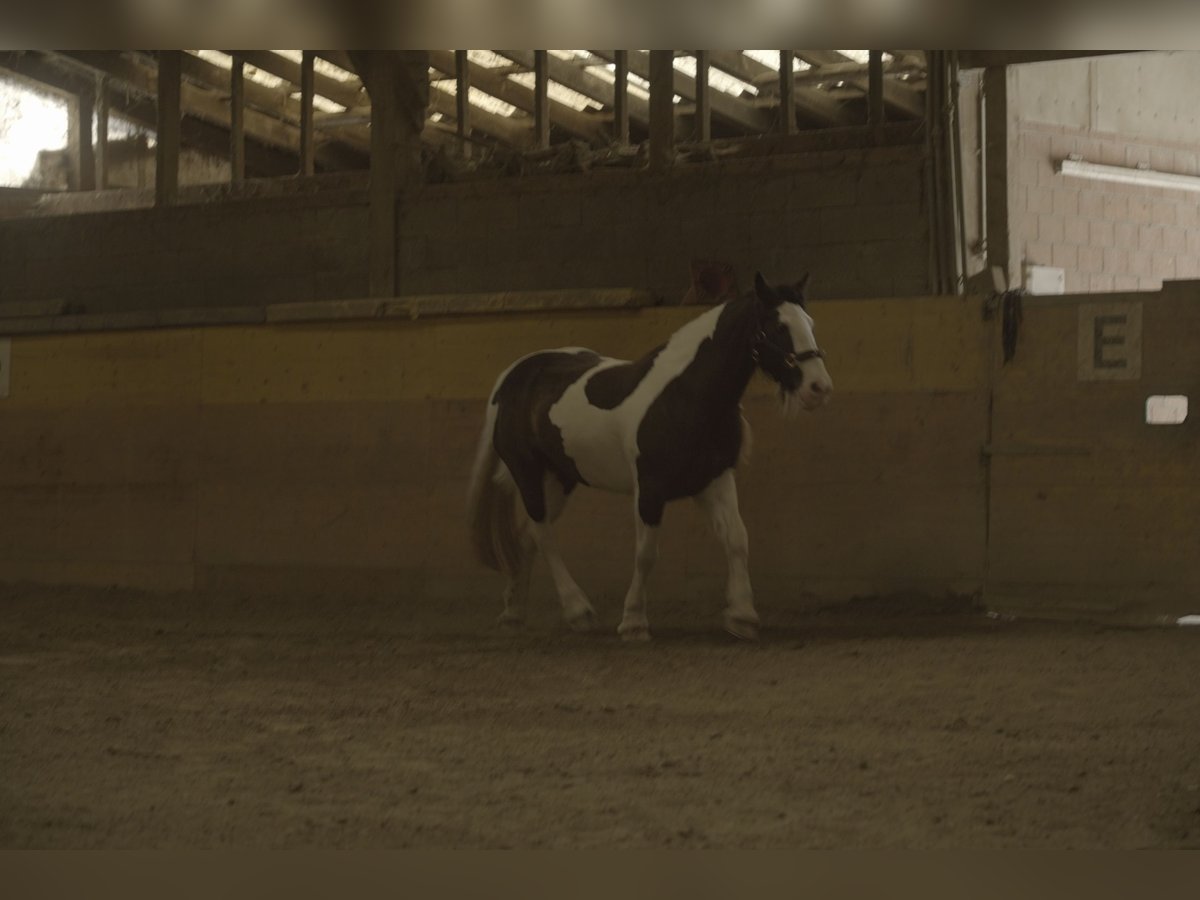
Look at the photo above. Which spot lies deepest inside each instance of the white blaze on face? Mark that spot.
(817, 385)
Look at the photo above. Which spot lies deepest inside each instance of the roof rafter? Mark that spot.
(729, 109)
(503, 88)
(812, 103)
(571, 74)
(204, 104)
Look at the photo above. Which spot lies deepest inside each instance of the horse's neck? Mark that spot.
(727, 364)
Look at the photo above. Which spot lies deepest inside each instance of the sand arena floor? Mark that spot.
(132, 720)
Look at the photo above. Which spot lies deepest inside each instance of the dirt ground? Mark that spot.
(139, 721)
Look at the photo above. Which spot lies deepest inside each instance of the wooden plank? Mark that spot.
(662, 108)
(875, 89)
(462, 97)
(703, 131)
(166, 167)
(307, 160)
(12, 309)
(237, 121)
(621, 98)
(541, 99)
(381, 276)
(787, 94)
(85, 162)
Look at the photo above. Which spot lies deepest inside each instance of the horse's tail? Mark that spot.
(492, 505)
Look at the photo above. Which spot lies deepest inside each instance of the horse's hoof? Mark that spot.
(742, 629)
(583, 622)
(636, 635)
(509, 622)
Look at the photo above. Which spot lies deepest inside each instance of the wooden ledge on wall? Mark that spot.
(56, 319)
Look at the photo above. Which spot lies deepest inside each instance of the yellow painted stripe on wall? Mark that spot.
(105, 369)
(893, 345)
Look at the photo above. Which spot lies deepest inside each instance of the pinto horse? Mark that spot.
(661, 428)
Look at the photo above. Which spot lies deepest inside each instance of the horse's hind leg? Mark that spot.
(720, 501)
(577, 610)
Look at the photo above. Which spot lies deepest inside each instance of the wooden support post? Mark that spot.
(1001, 149)
(462, 79)
(787, 93)
(166, 160)
(621, 96)
(381, 276)
(662, 109)
(875, 89)
(307, 143)
(703, 104)
(237, 121)
(541, 98)
(101, 133)
(85, 162)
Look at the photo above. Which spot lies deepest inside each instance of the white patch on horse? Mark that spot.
(817, 383)
(603, 442)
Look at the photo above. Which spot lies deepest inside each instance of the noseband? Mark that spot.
(790, 358)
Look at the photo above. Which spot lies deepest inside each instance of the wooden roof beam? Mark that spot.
(591, 128)
(207, 105)
(517, 132)
(728, 109)
(811, 103)
(896, 95)
(272, 101)
(140, 109)
(347, 93)
(571, 74)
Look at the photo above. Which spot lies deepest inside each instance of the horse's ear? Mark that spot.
(763, 291)
(802, 284)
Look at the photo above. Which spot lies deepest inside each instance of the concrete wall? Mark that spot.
(279, 249)
(857, 219)
(334, 457)
(1126, 110)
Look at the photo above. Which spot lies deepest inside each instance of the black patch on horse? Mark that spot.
(609, 388)
(525, 438)
(692, 432)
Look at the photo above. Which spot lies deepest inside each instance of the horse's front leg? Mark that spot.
(720, 501)
(634, 624)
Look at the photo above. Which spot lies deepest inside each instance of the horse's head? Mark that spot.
(784, 346)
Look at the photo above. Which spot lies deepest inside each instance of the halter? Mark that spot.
(791, 359)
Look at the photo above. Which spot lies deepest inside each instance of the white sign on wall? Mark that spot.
(1110, 341)
(5, 361)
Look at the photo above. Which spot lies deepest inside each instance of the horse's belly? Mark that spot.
(595, 441)
(601, 462)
